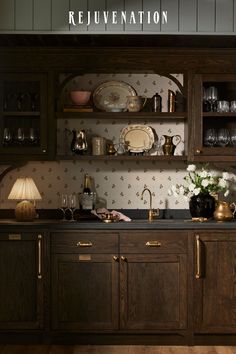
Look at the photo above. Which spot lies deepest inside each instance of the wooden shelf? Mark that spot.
(21, 114)
(121, 158)
(121, 115)
(217, 114)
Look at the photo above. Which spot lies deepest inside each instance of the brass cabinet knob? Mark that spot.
(123, 258)
(198, 151)
(116, 259)
(44, 151)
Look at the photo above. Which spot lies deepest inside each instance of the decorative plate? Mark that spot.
(139, 138)
(111, 96)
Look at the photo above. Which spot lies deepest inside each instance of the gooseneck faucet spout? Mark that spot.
(151, 213)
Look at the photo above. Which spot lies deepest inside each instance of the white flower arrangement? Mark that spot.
(201, 182)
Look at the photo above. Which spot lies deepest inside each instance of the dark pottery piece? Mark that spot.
(202, 205)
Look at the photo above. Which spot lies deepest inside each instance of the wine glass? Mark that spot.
(20, 135)
(32, 135)
(223, 137)
(210, 137)
(64, 205)
(212, 96)
(72, 205)
(7, 137)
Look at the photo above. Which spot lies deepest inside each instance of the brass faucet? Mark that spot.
(151, 212)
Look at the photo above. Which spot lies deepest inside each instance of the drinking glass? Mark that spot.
(223, 137)
(212, 96)
(20, 137)
(233, 137)
(7, 137)
(72, 205)
(233, 106)
(222, 106)
(210, 137)
(32, 135)
(64, 205)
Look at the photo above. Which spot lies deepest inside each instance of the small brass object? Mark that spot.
(198, 151)
(115, 258)
(151, 212)
(123, 258)
(14, 237)
(84, 244)
(223, 211)
(198, 258)
(169, 147)
(40, 256)
(153, 244)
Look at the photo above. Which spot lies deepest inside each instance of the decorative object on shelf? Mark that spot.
(98, 146)
(25, 190)
(111, 150)
(80, 98)
(121, 147)
(79, 143)
(156, 103)
(72, 202)
(111, 96)
(64, 205)
(171, 101)
(200, 188)
(139, 138)
(223, 211)
(136, 103)
(169, 146)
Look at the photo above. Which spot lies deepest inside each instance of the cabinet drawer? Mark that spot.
(153, 242)
(84, 242)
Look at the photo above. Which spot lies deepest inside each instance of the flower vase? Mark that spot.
(202, 205)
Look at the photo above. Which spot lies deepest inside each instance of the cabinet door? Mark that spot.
(215, 283)
(24, 116)
(214, 123)
(85, 292)
(153, 292)
(21, 274)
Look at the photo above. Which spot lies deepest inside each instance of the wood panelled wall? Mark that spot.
(184, 16)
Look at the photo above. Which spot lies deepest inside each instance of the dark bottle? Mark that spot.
(87, 199)
(156, 103)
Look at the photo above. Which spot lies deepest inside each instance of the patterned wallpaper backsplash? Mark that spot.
(118, 184)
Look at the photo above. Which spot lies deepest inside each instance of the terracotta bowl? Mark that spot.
(80, 97)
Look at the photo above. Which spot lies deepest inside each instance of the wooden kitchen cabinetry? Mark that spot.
(25, 125)
(22, 261)
(214, 284)
(85, 277)
(146, 283)
(209, 125)
(153, 275)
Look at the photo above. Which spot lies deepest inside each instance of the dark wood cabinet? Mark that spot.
(214, 284)
(85, 281)
(25, 128)
(22, 281)
(153, 281)
(214, 129)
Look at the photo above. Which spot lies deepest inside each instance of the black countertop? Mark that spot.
(138, 224)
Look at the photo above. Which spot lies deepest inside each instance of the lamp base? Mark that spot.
(25, 211)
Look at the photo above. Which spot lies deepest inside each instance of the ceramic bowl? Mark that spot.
(80, 97)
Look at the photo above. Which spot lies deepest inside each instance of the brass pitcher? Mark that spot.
(223, 211)
(169, 147)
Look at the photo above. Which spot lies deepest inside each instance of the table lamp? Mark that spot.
(25, 190)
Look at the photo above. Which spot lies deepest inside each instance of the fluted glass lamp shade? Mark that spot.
(25, 190)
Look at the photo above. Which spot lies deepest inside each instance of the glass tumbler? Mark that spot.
(223, 137)
(222, 106)
(233, 106)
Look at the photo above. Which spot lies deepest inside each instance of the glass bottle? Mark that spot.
(156, 103)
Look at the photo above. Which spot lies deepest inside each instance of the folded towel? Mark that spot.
(102, 212)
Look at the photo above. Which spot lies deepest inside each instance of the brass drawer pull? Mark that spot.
(40, 239)
(124, 259)
(153, 244)
(84, 244)
(116, 259)
(198, 258)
